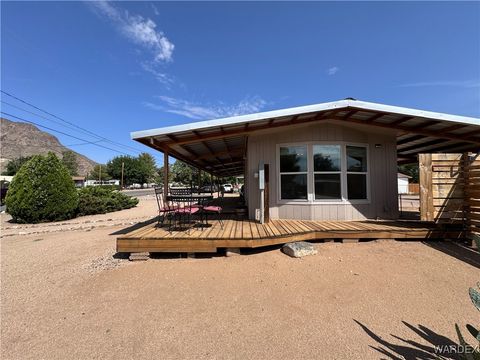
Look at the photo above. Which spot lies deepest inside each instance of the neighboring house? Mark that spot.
(79, 181)
(403, 181)
(4, 183)
(103, 182)
(331, 161)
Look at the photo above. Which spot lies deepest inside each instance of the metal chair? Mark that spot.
(213, 209)
(165, 209)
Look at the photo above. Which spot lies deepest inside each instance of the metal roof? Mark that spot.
(218, 146)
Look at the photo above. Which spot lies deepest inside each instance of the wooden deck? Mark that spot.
(149, 237)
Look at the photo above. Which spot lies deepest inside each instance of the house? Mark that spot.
(4, 183)
(329, 161)
(79, 181)
(402, 181)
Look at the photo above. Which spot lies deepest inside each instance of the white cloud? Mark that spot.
(198, 111)
(333, 70)
(138, 29)
(155, 10)
(461, 83)
(152, 106)
(162, 77)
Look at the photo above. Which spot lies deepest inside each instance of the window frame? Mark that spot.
(347, 172)
(339, 172)
(311, 174)
(280, 173)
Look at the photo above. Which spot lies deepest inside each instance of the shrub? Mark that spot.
(101, 200)
(42, 190)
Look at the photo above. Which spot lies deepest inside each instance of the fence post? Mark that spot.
(426, 187)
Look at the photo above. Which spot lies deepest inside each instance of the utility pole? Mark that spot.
(100, 174)
(123, 166)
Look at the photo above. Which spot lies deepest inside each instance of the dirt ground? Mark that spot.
(67, 295)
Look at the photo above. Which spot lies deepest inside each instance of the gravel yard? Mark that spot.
(67, 295)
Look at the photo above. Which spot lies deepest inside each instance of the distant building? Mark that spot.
(4, 182)
(402, 181)
(103, 182)
(79, 181)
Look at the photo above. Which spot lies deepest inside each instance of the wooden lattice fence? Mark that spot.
(450, 191)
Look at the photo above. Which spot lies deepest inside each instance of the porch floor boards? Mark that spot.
(250, 234)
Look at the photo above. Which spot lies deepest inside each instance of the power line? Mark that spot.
(56, 122)
(63, 133)
(50, 145)
(40, 116)
(68, 122)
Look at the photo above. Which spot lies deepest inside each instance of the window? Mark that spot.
(356, 172)
(293, 172)
(323, 172)
(327, 171)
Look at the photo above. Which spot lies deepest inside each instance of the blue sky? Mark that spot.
(114, 68)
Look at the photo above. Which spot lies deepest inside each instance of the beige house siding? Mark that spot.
(383, 202)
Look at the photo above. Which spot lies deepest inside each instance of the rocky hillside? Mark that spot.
(22, 139)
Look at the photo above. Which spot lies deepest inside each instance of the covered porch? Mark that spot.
(246, 145)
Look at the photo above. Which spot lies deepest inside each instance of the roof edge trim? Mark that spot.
(362, 105)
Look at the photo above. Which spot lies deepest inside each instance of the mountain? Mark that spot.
(22, 139)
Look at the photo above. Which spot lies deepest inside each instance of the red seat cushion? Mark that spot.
(213, 208)
(187, 210)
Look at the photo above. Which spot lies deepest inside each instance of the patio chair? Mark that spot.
(184, 209)
(165, 208)
(213, 209)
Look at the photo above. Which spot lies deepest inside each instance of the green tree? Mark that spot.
(69, 159)
(131, 169)
(159, 175)
(14, 165)
(136, 170)
(181, 172)
(98, 171)
(411, 170)
(147, 167)
(42, 190)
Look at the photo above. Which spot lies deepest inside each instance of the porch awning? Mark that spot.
(219, 146)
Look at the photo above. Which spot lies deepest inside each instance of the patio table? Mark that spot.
(201, 199)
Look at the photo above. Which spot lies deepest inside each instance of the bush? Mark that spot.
(109, 187)
(101, 200)
(42, 190)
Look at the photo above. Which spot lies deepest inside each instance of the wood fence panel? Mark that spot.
(450, 190)
(413, 188)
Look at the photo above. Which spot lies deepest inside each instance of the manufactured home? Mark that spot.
(333, 161)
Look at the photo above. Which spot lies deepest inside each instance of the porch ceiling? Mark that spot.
(219, 146)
